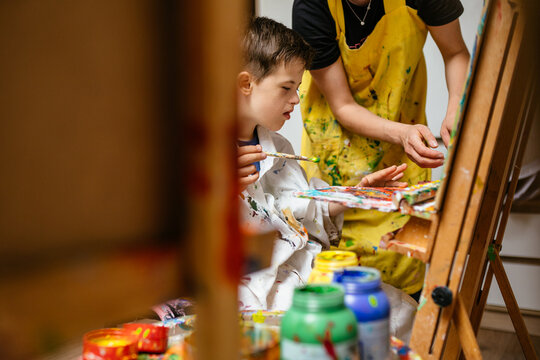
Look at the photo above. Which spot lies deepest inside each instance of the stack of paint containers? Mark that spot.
(369, 303)
(361, 292)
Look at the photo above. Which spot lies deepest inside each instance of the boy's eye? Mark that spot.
(286, 88)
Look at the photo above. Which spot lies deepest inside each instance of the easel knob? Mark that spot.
(442, 296)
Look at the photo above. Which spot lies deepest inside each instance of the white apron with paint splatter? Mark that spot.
(264, 202)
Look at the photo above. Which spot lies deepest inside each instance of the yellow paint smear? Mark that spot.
(111, 342)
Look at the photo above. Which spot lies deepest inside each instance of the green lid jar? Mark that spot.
(318, 326)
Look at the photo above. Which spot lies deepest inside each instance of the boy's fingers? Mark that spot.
(250, 158)
(384, 172)
(396, 184)
(247, 180)
(246, 170)
(402, 167)
(379, 176)
(398, 173)
(249, 149)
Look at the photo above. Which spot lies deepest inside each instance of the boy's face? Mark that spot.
(274, 97)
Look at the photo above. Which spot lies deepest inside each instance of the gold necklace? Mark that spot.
(362, 21)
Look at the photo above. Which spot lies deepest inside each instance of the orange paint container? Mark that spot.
(109, 344)
(151, 338)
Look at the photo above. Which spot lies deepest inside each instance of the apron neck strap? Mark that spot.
(391, 5)
(337, 13)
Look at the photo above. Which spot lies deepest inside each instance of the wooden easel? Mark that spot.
(474, 199)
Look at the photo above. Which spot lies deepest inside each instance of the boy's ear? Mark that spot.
(244, 80)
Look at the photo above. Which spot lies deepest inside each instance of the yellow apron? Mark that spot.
(387, 76)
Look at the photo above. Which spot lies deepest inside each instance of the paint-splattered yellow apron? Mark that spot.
(386, 75)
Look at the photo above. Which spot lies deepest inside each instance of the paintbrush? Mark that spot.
(314, 159)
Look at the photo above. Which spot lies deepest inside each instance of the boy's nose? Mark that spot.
(295, 99)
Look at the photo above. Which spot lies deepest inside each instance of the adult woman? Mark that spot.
(363, 104)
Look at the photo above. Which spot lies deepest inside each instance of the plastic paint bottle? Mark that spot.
(327, 262)
(369, 303)
(319, 326)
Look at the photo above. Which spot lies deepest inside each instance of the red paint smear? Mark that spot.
(234, 244)
(327, 343)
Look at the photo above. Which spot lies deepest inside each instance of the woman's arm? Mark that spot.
(332, 82)
(456, 60)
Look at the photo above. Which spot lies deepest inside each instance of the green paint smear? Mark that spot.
(349, 243)
(422, 303)
(253, 204)
(373, 164)
(491, 253)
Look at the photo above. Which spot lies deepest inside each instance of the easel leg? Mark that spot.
(513, 309)
(465, 331)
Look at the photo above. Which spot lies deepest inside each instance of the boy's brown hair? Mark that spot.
(268, 43)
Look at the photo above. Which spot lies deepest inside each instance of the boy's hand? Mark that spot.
(385, 177)
(247, 172)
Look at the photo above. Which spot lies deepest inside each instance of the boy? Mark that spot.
(274, 61)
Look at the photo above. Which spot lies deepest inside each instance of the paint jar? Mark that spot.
(319, 325)
(259, 342)
(327, 262)
(152, 338)
(109, 344)
(369, 303)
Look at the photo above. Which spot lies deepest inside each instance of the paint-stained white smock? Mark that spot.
(263, 203)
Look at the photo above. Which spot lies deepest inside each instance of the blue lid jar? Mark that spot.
(370, 305)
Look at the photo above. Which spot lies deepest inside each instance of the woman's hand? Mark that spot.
(446, 128)
(247, 172)
(413, 139)
(386, 177)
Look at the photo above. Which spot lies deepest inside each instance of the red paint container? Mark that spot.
(152, 338)
(109, 344)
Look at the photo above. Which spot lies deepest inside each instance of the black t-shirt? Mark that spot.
(313, 20)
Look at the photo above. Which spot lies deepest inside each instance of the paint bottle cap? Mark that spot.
(315, 297)
(109, 344)
(358, 279)
(333, 260)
